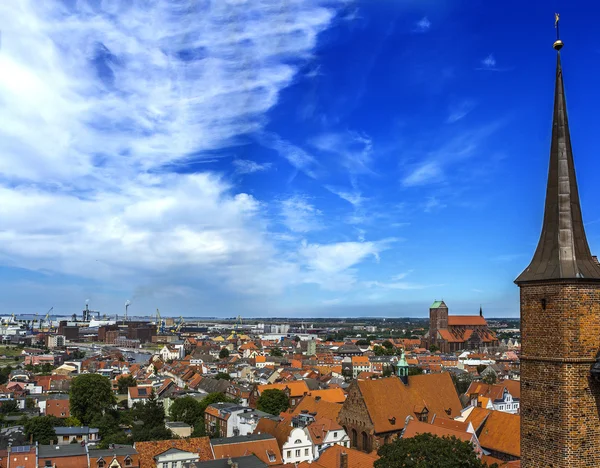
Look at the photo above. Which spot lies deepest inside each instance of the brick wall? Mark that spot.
(354, 418)
(560, 423)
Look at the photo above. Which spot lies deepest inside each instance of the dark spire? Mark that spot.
(563, 251)
(480, 311)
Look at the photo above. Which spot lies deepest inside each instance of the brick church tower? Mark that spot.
(560, 321)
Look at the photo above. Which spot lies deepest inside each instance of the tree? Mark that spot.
(222, 376)
(149, 421)
(123, 383)
(428, 451)
(77, 354)
(462, 382)
(41, 429)
(481, 368)
(387, 371)
(9, 406)
(415, 371)
(91, 395)
(387, 344)
(273, 401)
(30, 403)
(276, 352)
(4, 374)
(363, 342)
(379, 350)
(224, 353)
(187, 410)
(433, 349)
(490, 378)
(72, 422)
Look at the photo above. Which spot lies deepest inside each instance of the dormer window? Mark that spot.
(128, 461)
(423, 415)
(392, 420)
(101, 463)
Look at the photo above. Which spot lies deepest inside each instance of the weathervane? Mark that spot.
(558, 44)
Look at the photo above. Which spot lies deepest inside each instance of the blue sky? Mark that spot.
(283, 157)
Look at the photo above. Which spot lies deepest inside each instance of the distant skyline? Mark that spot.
(300, 158)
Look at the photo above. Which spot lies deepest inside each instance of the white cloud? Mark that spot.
(98, 100)
(299, 215)
(489, 62)
(352, 150)
(423, 25)
(244, 166)
(331, 265)
(355, 198)
(460, 111)
(425, 173)
(296, 156)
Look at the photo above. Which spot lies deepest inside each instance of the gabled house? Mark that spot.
(376, 410)
(139, 394)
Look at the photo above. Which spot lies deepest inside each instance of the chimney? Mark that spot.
(343, 460)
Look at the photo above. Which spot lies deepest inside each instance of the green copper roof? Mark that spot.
(438, 304)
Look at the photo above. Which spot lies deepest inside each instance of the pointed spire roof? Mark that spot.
(563, 251)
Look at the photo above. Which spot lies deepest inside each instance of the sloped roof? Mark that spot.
(309, 404)
(472, 320)
(500, 433)
(330, 458)
(333, 395)
(438, 304)
(148, 450)
(261, 445)
(414, 428)
(297, 388)
(389, 398)
(477, 417)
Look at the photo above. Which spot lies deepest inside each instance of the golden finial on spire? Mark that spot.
(558, 44)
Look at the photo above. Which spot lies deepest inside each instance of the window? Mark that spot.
(101, 463)
(48, 463)
(65, 438)
(289, 454)
(297, 453)
(335, 435)
(272, 457)
(297, 441)
(293, 402)
(306, 452)
(127, 461)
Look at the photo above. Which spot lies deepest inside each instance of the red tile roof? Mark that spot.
(148, 450)
(261, 448)
(389, 401)
(466, 320)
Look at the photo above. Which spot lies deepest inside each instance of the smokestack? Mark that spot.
(127, 304)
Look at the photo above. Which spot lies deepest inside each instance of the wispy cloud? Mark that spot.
(423, 174)
(423, 25)
(433, 166)
(355, 198)
(299, 215)
(433, 203)
(460, 111)
(100, 100)
(488, 63)
(244, 166)
(296, 156)
(331, 265)
(352, 150)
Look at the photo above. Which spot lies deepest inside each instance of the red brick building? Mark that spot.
(457, 332)
(560, 321)
(375, 411)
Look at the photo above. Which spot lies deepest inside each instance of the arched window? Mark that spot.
(354, 438)
(365, 442)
